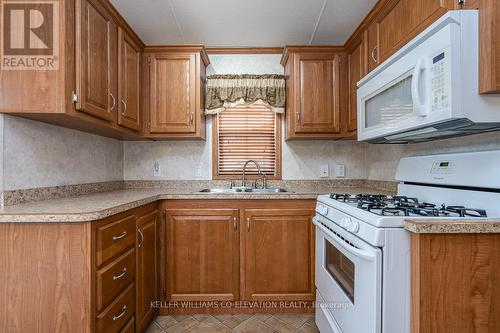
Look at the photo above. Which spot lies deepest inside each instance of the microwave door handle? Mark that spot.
(420, 108)
(360, 253)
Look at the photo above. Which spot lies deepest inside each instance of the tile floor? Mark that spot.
(237, 323)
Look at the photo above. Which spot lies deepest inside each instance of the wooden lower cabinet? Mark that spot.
(231, 250)
(146, 279)
(279, 252)
(202, 254)
(126, 266)
(78, 277)
(455, 283)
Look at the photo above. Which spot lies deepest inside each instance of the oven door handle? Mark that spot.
(360, 253)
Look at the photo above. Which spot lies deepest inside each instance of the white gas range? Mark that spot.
(363, 250)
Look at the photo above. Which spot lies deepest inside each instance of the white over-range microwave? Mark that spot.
(430, 88)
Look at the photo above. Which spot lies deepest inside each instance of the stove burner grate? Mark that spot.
(397, 205)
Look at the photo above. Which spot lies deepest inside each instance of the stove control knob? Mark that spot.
(344, 222)
(323, 210)
(353, 226)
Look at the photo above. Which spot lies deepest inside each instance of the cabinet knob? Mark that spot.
(235, 224)
(248, 224)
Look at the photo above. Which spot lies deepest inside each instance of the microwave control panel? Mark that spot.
(439, 79)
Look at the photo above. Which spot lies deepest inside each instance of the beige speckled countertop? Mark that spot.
(100, 205)
(453, 226)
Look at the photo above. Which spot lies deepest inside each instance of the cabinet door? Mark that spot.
(173, 93)
(146, 269)
(96, 65)
(373, 54)
(202, 255)
(399, 22)
(317, 109)
(357, 63)
(129, 55)
(279, 254)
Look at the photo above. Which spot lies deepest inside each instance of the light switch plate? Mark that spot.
(340, 171)
(324, 171)
(156, 169)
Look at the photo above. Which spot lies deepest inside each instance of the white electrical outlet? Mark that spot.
(324, 171)
(197, 173)
(340, 171)
(156, 169)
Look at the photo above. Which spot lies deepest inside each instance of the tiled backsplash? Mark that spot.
(39, 156)
(36, 154)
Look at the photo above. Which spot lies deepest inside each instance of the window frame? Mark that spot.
(215, 152)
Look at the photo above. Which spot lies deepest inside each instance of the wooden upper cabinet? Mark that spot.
(202, 254)
(176, 91)
(96, 59)
(313, 92)
(489, 45)
(81, 90)
(357, 58)
(279, 254)
(146, 282)
(173, 93)
(128, 101)
(396, 22)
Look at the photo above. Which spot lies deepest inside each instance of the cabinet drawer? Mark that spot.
(113, 238)
(114, 277)
(117, 314)
(129, 327)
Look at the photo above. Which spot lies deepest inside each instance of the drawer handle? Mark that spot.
(119, 276)
(115, 238)
(124, 310)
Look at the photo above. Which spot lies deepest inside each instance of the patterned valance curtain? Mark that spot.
(228, 91)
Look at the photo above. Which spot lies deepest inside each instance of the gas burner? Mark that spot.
(398, 205)
(463, 211)
(395, 211)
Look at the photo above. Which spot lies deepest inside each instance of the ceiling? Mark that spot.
(244, 23)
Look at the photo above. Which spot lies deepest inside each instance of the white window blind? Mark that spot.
(247, 133)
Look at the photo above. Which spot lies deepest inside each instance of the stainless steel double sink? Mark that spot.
(243, 190)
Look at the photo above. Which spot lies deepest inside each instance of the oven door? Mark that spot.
(348, 278)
